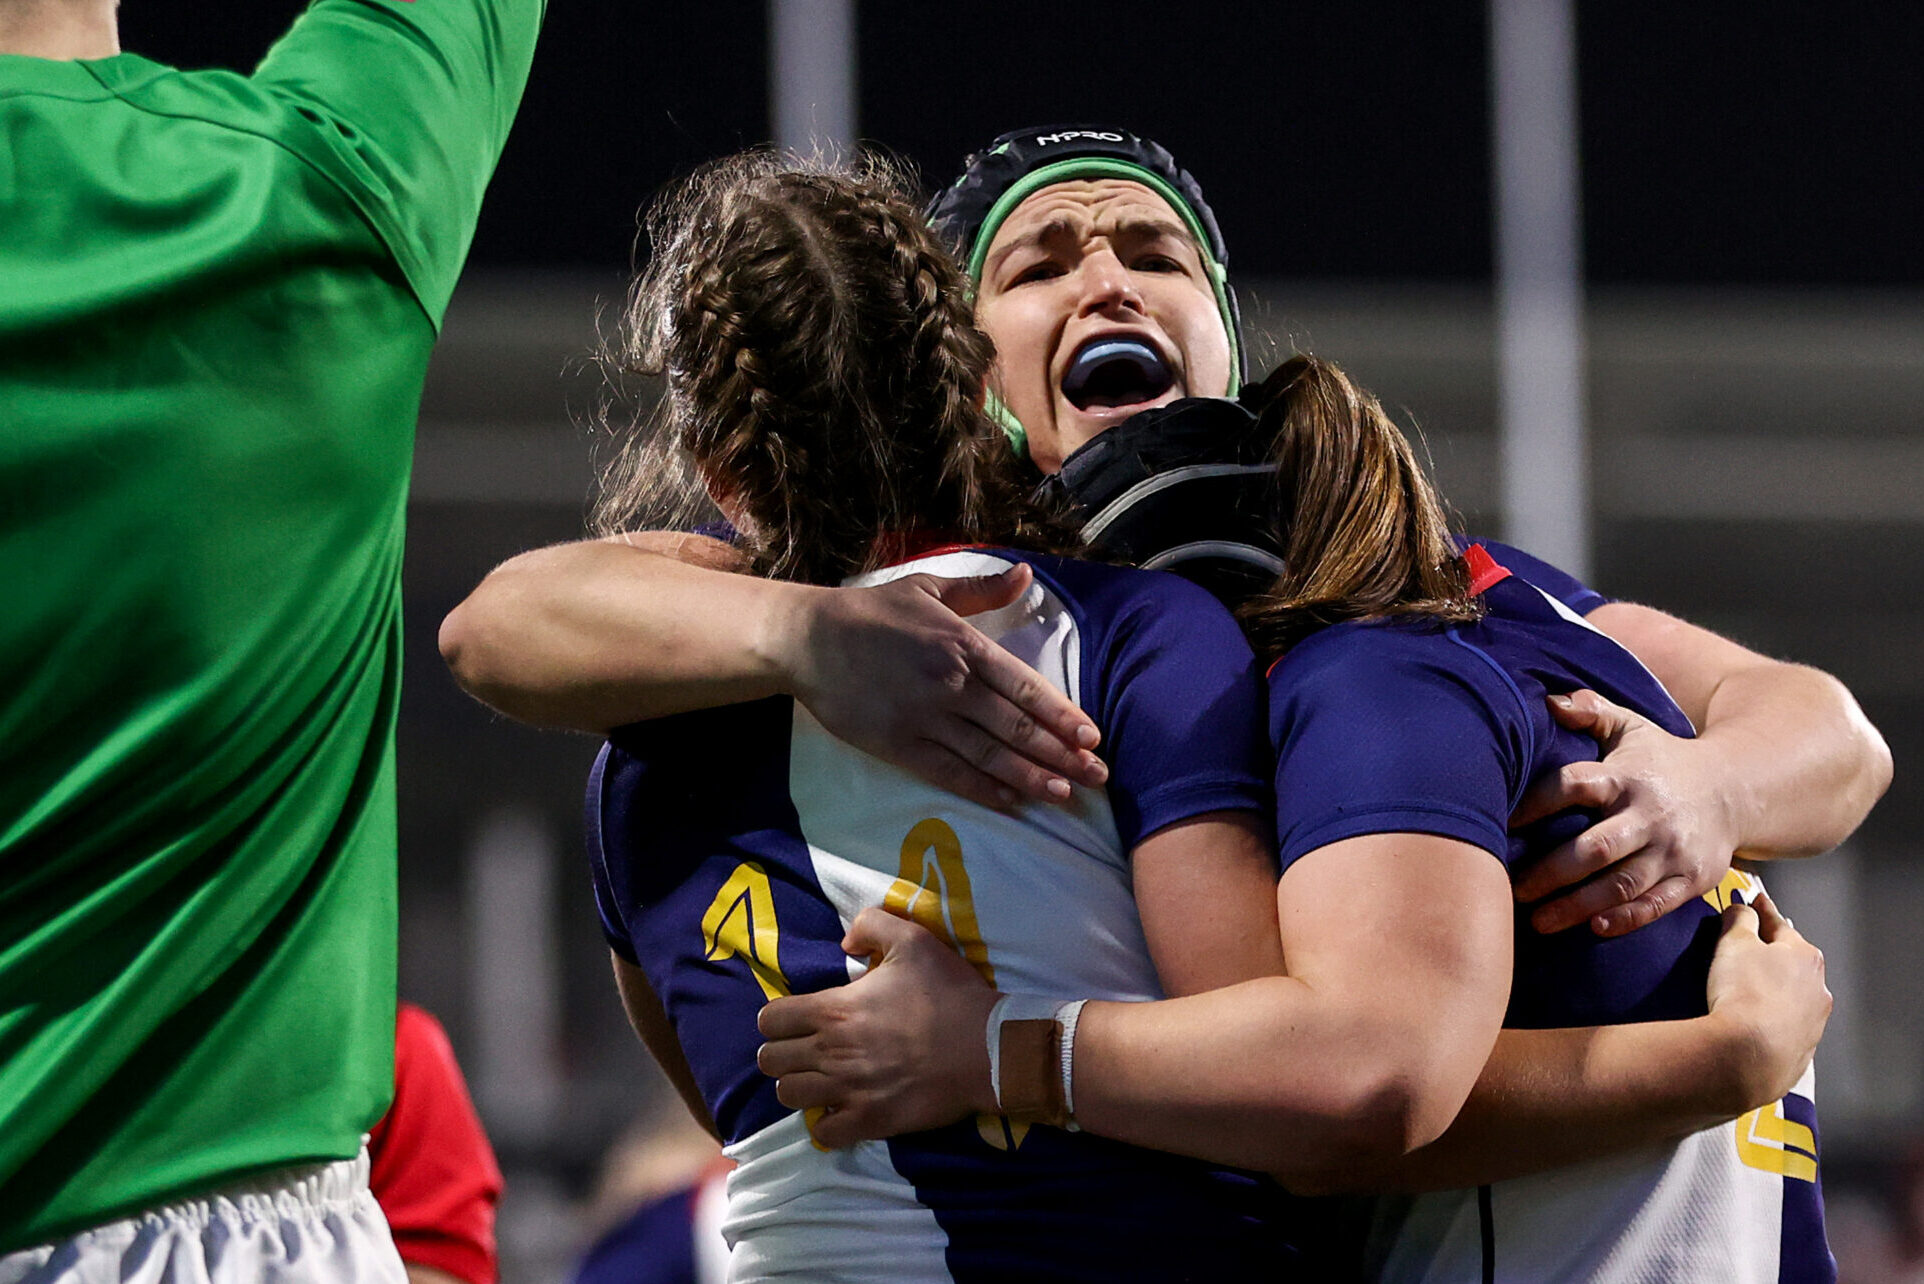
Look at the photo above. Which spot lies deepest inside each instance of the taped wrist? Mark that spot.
(1031, 1044)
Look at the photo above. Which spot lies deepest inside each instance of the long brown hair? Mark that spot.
(1363, 530)
(823, 370)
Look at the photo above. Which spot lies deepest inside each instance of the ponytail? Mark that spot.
(1363, 530)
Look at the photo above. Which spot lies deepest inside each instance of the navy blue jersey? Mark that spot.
(1559, 584)
(1414, 725)
(731, 848)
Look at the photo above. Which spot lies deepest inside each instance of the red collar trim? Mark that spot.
(1485, 573)
(897, 547)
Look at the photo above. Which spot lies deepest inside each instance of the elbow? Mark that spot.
(1377, 1122)
(462, 651)
(481, 664)
(1870, 759)
(1878, 766)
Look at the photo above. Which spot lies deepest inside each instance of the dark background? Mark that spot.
(1752, 199)
(1723, 142)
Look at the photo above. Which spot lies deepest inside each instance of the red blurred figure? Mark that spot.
(434, 1173)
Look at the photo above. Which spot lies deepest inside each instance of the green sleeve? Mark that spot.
(415, 97)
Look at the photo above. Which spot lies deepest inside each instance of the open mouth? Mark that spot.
(1116, 371)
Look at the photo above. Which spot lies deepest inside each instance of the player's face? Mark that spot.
(1100, 306)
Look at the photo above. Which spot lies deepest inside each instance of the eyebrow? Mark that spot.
(1054, 229)
(1139, 228)
(1152, 228)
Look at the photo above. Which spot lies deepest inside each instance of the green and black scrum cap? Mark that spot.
(1024, 161)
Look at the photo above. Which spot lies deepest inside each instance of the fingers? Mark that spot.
(807, 1090)
(1739, 920)
(987, 756)
(974, 594)
(875, 934)
(1015, 721)
(1605, 843)
(1590, 713)
(942, 768)
(1580, 784)
(1772, 924)
(1618, 886)
(1665, 896)
(794, 1017)
(779, 1058)
(837, 1129)
(1051, 713)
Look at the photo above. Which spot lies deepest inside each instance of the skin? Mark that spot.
(1075, 268)
(596, 635)
(1089, 259)
(1785, 763)
(1342, 1075)
(62, 30)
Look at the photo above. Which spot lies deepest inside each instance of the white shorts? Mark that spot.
(315, 1224)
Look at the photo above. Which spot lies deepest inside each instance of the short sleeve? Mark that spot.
(1382, 729)
(1179, 698)
(416, 96)
(432, 1171)
(1561, 585)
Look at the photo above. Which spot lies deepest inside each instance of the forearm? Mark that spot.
(1550, 1098)
(1803, 763)
(1265, 1075)
(595, 635)
(1796, 762)
(657, 1034)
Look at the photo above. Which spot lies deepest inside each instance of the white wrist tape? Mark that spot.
(1066, 1016)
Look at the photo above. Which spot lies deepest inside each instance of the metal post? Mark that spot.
(811, 73)
(1542, 450)
(515, 962)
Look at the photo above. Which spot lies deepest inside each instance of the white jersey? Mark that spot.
(732, 848)
(1735, 1204)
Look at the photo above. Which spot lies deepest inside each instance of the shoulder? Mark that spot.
(1404, 671)
(1341, 653)
(1558, 583)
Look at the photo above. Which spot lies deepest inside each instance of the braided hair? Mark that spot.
(823, 370)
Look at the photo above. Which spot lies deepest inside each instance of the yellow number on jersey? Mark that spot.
(741, 921)
(1767, 1140)
(934, 891)
(1735, 880)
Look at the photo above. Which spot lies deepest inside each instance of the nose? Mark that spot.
(1107, 285)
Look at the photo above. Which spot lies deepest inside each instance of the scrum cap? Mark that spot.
(1023, 161)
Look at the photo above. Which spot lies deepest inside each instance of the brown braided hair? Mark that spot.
(823, 371)
(1363, 530)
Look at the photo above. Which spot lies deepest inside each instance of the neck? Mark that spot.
(59, 29)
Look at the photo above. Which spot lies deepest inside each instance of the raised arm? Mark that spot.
(416, 98)
(1784, 764)
(594, 635)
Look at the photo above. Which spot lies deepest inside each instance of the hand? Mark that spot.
(895, 671)
(897, 1050)
(1767, 981)
(1666, 834)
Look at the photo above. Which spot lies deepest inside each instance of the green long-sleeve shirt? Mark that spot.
(217, 298)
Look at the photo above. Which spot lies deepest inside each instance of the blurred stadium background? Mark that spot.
(1753, 308)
